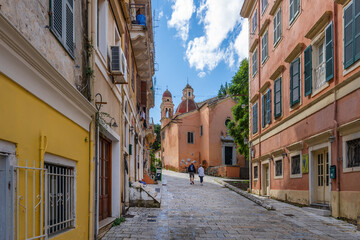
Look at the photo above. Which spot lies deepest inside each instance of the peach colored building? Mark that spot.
(197, 133)
(305, 102)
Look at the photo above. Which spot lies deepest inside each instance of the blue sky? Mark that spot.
(202, 41)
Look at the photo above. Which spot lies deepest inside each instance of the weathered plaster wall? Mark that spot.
(31, 18)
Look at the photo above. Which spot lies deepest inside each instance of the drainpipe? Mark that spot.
(336, 80)
(260, 106)
(96, 174)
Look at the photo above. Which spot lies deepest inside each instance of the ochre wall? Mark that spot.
(24, 118)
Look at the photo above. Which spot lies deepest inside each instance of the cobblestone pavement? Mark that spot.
(214, 212)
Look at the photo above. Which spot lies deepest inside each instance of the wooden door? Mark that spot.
(104, 178)
(322, 176)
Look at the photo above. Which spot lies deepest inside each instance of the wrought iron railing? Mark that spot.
(319, 79)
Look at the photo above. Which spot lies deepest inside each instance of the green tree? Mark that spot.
(239, 127)
(157, 143)
(223, 91)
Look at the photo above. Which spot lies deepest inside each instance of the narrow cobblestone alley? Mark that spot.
(214, 212)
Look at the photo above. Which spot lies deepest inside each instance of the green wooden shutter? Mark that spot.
(255, 119)
(357, 30)
(329, 52)
(263, 111)
(56, 19)
(308, 70)
(348, 36)
(268, 106)
(295, 82)
(277, 98)
(69, 40)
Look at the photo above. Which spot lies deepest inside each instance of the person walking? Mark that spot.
(201, 174)
(192, 171)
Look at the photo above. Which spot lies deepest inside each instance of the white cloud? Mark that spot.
(181, 15)
(161, 14)
(201, 74)
(241, 44)
(220, 19)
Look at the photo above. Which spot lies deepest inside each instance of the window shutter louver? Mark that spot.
(69, 41)
(348, 36)
(255, 121)
(357, 30)
(277, 98)
(268, 106)
(308, 70)
(329, 53)
(279, 24)
(295, 82)
(263, 111)
(57, 17)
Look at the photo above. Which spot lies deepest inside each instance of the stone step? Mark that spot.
(318, 211)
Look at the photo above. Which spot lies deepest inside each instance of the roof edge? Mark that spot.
(246, 8)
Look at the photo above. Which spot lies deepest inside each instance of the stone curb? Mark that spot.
(247, 195)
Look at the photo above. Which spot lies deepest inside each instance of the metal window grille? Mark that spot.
(278, 168)
(255, 171)
(353, 153)
(60, 194)
(295, 164)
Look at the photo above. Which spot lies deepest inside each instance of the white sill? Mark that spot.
(278, 42)
(353, 169)
(351, 68)
(255, 179)
(279, 177)
(317, 91)
(296, 175)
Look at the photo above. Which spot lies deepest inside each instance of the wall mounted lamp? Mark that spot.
(113, 123)
(284, 154)
(332, 138)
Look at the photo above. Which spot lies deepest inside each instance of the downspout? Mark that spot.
(96, 174)
(336, 80)
(260, 106)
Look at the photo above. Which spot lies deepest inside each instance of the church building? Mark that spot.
(197, 133)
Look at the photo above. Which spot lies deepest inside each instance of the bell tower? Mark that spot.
(167, 108)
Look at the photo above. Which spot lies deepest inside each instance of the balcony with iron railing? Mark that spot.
(319, 76)
(142, 37)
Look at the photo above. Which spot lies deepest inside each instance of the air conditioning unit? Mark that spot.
(118, 65)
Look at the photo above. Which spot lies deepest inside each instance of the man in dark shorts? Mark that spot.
(192, 171)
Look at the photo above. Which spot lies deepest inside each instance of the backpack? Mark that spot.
(191, 168)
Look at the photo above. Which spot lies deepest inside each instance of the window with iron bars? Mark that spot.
(60, 194)
(353, 153)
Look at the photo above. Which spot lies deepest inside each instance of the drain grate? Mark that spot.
(150, 216)
(289, 215)
(151, 220)
(129, 216)
(157, 189)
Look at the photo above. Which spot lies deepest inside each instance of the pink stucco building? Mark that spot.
(305, 101)
(197, 133)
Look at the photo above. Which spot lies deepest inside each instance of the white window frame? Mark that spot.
(254, 19)
(278, 26)
(193, 138)
(292, 155)
(315, 61)
(296, 14)
(253, 171)
(282, 167)
(344, 146)
(63, 162)
(263, 9)
(263, 60)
